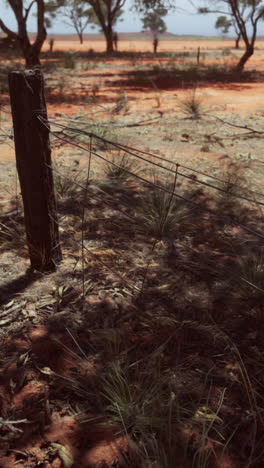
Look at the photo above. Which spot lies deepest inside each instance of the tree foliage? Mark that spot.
(105, 14)
(245, 16)
(154, 22)
(223, 23)
(78, 15)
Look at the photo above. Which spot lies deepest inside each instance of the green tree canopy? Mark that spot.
(154, 22)
(223, 23)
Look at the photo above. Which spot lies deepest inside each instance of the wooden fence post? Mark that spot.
(33, 160)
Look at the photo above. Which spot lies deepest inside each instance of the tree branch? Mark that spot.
(8, 31)
(42, 33)
(243, 127)
(27, 10)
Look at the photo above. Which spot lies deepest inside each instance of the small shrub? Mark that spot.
(192, 106)
(226, 52)
(138, 402)
(101, 131)
(119, 172)
(89, 65)
(70, 60)
(67, 183)
(233, 183)
(160, 212)
(213, 68)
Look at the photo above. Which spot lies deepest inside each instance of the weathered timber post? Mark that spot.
(33, 160)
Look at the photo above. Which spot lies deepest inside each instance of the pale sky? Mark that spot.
(178, 22)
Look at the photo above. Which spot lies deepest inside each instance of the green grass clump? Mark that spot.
(67, 182)
(120, 168)
(192, 106)
(160, 212)
(143, 405)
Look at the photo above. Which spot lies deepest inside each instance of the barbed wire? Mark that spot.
(195, 204)
(76, 145)
(212, 270)
(96, 197)
(130, 151)
(122, 278)
(162, 158)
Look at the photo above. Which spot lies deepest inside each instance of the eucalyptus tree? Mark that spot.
(106, 14)
(78, 15)
(245, 16)
(22, 10)
(154, 22)
(224, 24)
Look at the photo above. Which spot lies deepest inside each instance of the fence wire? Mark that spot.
(133, 152)
(200, 206)
(68, 134)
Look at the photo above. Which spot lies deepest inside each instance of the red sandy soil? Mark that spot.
(88, 445)
(91, 448)
(146, 46)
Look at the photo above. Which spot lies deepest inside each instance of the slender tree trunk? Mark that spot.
(80, 34)
(247, 54)
(155, 45)
(31, 52)
(51, 45)
(237, 41)
(109, 39)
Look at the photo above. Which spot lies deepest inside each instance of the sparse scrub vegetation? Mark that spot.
(160, 211)
(121, 167)
(192, 106)
(144, 349)
(67, 182)
(12, 233)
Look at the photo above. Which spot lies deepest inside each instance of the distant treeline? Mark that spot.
(137, 36)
